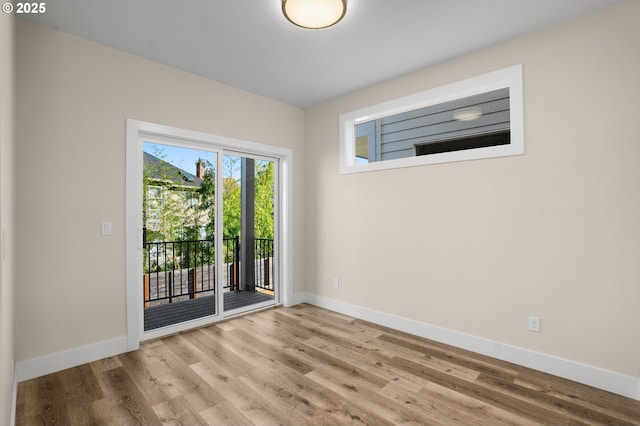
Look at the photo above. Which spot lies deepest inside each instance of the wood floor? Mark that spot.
(308, 366)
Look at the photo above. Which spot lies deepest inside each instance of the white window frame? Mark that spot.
(510, 77)
(139, 131)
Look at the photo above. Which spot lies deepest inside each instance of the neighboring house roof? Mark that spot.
(163, 171)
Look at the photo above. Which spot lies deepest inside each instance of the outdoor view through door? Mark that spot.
(186, 266)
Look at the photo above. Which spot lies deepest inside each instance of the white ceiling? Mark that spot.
(250, 45)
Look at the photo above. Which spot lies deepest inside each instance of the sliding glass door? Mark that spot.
(179, 244)
(209, 233)
(249, 231)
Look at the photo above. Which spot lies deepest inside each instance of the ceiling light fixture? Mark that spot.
(467, 114)
(314, 14)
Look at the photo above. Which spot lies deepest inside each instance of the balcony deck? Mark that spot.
(186, 310)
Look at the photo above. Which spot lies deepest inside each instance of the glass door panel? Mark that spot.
(249, 231)
(179, 260)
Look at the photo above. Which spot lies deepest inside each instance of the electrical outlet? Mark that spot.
(336, 283)
(534, 324)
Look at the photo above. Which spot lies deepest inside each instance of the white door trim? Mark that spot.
(152, 132)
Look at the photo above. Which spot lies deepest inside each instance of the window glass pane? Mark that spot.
(455, 125)
(481, 117)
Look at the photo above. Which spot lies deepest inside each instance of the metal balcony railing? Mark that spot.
(182, 270)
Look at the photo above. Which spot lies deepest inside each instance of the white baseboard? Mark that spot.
(589, 375)
(586, 374)
(300, 298)
(36, 367)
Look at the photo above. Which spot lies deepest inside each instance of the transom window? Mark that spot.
(476, 118)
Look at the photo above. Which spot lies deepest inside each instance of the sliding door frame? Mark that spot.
(139, 131)
(276, 231)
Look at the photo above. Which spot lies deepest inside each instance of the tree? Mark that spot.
(264, 200)
(170, 210)
(189, 214)
(207, 194)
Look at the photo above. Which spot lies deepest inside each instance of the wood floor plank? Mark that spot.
(278, 349)
(304, 310)
(478, 412)
(343, 410)
(105, 364)
(178, 412)
(25, 396)
(247, 348)
(312, 358)
(284, 397)
(224, 414)
(250, 403)
(436, 410)
(564, 407)
(316, 328)
(380, 358)
(182, 347)
(321, 325)
(375, 402)
(218, 353)
(118, 385)
(162, 375)
(452, 356)
(588, 396)
(373, 364)
(80, 385)
(506, 402)
(308, 366)
(380, 350)
(83, 413)
(150, 374)
(262, 354)
(46, 404)
(104, 412)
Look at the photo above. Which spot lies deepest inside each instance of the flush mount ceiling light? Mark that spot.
(467, 114)
(314, 14)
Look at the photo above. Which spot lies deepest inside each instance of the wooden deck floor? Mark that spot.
(309, 366)
(186, 310)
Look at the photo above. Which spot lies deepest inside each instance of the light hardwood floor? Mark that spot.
(308, 366)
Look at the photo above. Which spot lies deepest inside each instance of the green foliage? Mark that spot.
(207, 194)
(179, 214)
(232, 204)
(231, 208)
(264, 200)
(169, 212)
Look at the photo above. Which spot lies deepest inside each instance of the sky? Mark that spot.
(184, 158)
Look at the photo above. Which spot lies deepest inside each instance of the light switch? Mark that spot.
(106, 228)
